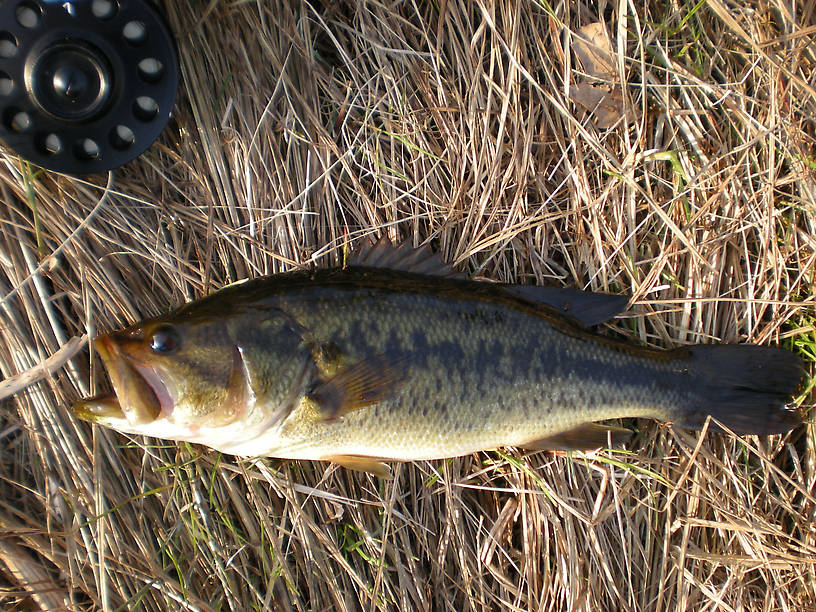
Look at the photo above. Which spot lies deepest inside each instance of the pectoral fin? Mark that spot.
(328, 358)
(359, 385)
(361, 464)
(588, 436)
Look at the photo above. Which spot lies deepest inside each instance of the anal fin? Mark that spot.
(361, 464)
(588, 436)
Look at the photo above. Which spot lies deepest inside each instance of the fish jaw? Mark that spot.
(101, 409)
(235, 438)
(140, 393)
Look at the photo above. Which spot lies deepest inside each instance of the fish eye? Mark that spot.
(165, 340)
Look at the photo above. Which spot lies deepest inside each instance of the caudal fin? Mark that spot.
(746, 388)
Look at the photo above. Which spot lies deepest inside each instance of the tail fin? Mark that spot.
(746, 388)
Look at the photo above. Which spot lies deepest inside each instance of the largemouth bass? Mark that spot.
(394, 358)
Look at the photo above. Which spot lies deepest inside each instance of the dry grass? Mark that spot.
(302, 125)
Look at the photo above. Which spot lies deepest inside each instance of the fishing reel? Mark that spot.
(85, 85)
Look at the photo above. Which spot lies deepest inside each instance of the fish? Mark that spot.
(393, 356)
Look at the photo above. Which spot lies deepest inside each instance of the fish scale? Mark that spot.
(558, 382)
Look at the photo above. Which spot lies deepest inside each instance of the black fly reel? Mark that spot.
(85, 85)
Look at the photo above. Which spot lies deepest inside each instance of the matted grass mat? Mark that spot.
(663, 150)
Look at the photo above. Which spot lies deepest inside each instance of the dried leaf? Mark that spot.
(594, 49)
(588, 95)
(604, 103)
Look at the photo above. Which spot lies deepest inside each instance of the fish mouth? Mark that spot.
(140, 396)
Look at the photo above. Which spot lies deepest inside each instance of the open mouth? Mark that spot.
(140, 394)
(159, 388)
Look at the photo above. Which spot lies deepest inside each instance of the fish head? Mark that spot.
(176, 372)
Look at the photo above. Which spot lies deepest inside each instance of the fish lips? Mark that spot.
(102, 409)
(141, 394)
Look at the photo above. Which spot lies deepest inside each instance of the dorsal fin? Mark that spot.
(586, 307)
(384, 254)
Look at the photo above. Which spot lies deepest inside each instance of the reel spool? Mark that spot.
(85, 85)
